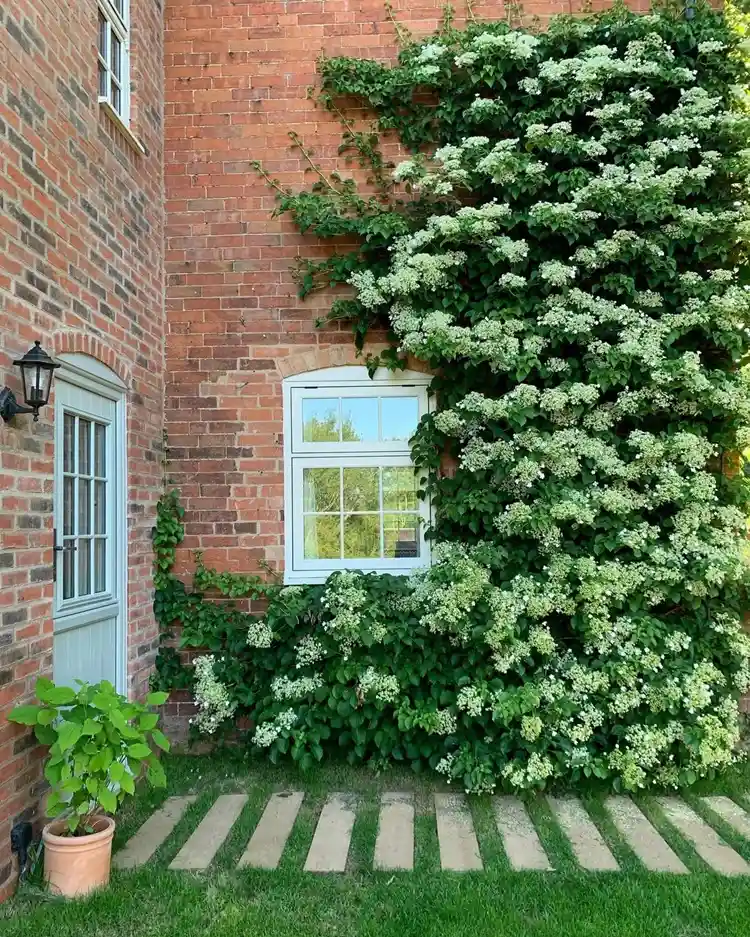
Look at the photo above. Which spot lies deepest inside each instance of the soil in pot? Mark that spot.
(76, 865)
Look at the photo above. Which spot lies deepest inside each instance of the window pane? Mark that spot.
(84, 506)
(116, 97)
(321, 490)
(84, 447)
(100, 507)
(399, 416)
(69, 428)
(116, 58)
(119, 6)
(103, 81)
(103, 27)
(399, 489)
(320, 420)
(362, 536)
(84, 567)
(68, 504)
(322, 537)
(100, 561)
(359, 419)
(400, 535)
(362, 489)
(68, 560)
(100, 443)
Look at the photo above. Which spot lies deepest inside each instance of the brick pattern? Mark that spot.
(81, 248)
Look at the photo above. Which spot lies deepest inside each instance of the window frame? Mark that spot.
(120, 25)
(346, 381)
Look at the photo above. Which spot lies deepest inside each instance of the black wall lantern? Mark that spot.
(36, 372)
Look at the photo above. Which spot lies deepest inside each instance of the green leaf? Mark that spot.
(91, 727)
(157, 699)
(139, 750)
(25, 715)
(148, 721)
(160, 739)
(107, 799)
(47, 692)
(68, 734)
(156, 776)
(116, 770)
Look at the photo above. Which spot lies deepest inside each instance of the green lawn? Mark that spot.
(425, 903)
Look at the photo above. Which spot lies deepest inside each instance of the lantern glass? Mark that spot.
(37, 381)
(36, 373)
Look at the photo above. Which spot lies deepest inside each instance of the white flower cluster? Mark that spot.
(284, 688)
(267, 732)
(383, 687)
(215, 704)
(259, 634)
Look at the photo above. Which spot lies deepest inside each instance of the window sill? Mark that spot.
(123, 128)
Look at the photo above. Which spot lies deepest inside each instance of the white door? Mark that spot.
(89, 611)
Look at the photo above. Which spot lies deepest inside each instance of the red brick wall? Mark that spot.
(81, 247)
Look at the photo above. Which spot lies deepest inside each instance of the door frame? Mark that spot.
(90, 374)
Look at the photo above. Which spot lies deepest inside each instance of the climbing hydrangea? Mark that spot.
(568, 260)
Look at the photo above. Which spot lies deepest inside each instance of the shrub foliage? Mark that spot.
(564, 248)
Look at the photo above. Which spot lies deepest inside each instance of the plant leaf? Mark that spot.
(161, 740)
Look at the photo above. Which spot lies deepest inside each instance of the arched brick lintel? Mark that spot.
(69, 341)
(334, 356)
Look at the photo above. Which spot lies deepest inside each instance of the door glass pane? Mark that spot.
(359, 419)
(399, 489)
(84, 506)
(84, 447)
(69, 428)
(362, 536)
(320, 420)
(399, 417)
(100, 451)
(67, 564)
(100, 564)
(400, 535)
(322, 537)
(68, 504)
(100, 507)
(362, 489)
(321, 489)
(84, 567)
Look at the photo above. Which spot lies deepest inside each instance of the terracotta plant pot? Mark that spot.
(76, 865)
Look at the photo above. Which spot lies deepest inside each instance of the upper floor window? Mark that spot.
(351, 497)
(114, 68)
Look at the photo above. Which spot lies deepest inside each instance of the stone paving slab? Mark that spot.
(459, 849)
(394, 846)
(731, 812)
(520, 839)
(642, 837)
(267, 842)
(586, 841)
(706, 841)
(329, 849)
(152, 834)
(199, 851)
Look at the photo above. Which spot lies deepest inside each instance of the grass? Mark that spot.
(498, 902)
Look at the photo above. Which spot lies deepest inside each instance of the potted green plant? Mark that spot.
(99, 745)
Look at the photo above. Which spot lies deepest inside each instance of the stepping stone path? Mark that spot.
(457, 838)
(706, 841)
(394, 847)
(586, 841)
(642, 837)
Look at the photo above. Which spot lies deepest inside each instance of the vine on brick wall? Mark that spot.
(565, 249)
